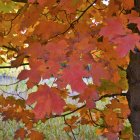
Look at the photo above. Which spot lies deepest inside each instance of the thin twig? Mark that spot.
(10, 84)
(70, 128)
(121, 68)
(18, 13)
(17, 95)
(10, 48)
(71, 24)
(66, 114)
(93, 120)
(111, 95)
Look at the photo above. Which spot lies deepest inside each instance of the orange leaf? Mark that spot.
(35, 135)
(128, 4)
(20, 133)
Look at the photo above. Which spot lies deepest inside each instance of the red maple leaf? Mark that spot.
(73, 75)
(113, 28)
(99, 72)
(38, 70)
(36, 50)
(57, 50)
(126, 43)
(48, 29)
(48, 101)
(70, 6)
(33, 76)
(111, 136)
(89, 95)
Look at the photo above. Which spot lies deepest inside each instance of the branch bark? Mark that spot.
(112, 95)
(23, 1)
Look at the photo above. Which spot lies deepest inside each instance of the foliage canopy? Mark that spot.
(72, 41)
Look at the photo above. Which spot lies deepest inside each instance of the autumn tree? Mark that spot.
(73, 41)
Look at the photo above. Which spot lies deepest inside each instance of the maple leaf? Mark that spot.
(48, 3)
(20, 133)
(111, 136)
(112, 121)
(35, 135)
(18, 61)
(48, 29)
(72, 120)
(36, 50)
(89, 95)
(124, 110)
(35, 73)
(70, 6)
(73, 74)
(84, 46)
(34, 77)
(128, 4)
(98, 72)
(48, 101)
(57, 50)
(113, 28)
(126, 43)
(29, 15)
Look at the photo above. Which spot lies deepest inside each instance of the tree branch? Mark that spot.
(74, 110)
(70, 128)
(10, 48)
(8, 67)
(90, 115)
(66, 114)
(111, 95)
(22, 1)
(121, 68)
(18, 13)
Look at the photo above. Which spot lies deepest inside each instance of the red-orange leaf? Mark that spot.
(126, 43)
(99, 72)
(20, 133)
(35, 135)
(113, 28)
(128, 4)
(111, 136)
(48, 101)
(89, 95)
